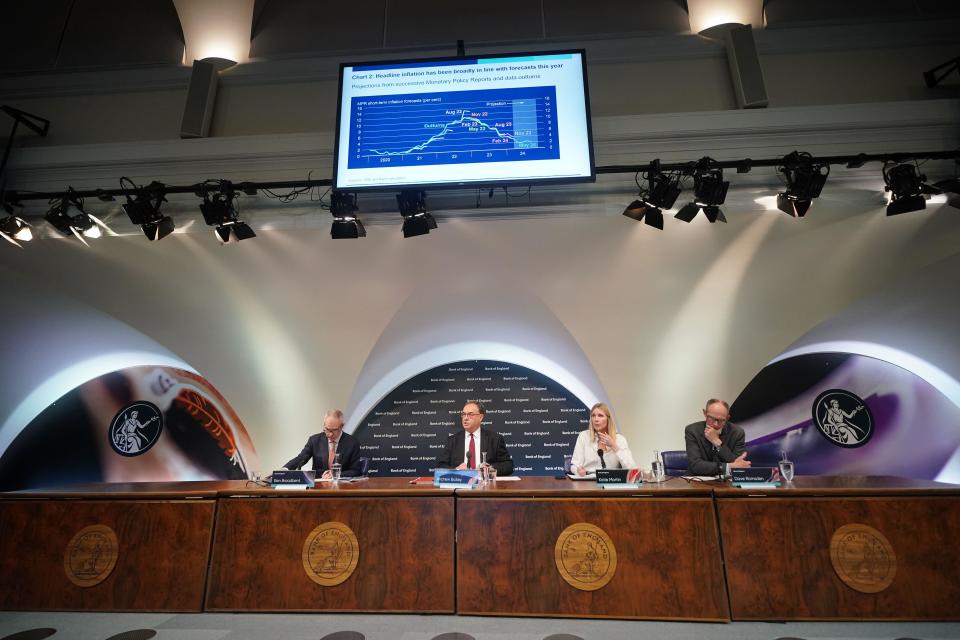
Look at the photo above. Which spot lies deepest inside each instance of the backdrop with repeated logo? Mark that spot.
(408, 428)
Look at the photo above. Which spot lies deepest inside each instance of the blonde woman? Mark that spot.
(601, 438)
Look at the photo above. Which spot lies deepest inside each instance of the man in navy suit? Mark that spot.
(464, 448)
(332, 440)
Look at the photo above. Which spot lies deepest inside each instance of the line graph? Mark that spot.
(454, 127)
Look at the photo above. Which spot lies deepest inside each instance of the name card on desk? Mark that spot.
(619, 476)
(455, 478)
(296, 479)
(755, 474)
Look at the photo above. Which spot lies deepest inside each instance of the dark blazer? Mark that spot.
(348, 447)
(703, 458)
(490, 441)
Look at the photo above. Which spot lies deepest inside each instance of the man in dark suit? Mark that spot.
(715, 445)
(464, 448)
(332, 440)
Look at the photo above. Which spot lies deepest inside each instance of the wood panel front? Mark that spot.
(405, 554)
(668, 558)
(162, 554)
(777, 552)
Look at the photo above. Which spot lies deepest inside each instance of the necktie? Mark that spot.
(331, 453)
(473, 452)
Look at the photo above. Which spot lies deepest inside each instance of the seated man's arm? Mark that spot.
(737, 445)
(443, 459)
(697, 465)
(502, 461)
(301, 458)
(350, 465)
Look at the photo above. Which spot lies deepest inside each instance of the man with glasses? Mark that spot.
(715, 445)
(464, 448)
(322, 447)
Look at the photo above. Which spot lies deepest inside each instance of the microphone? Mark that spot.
(603, 463)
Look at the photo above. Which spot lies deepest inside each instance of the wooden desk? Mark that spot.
(665, 537)
(777, 548)
(403, 559)
(162, 537)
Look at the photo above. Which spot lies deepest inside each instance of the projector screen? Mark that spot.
(519, 118)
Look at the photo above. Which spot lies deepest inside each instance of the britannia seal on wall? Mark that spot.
(136, 428)
(843, 418)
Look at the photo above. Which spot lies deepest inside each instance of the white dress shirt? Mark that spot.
(466, 446)
(585, 454)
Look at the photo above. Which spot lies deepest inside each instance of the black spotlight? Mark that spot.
(346, 224)
(143, 208)
(663, 189)
(805, 179)
(80, 224)
(13, 228)
(219, 211)
(639, 210)
(709, 192)
(907, 187)
(413, 208)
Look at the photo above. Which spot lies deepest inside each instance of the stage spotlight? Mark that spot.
(13, 228)
(907, 188)
(709, 192)
(143, 208)
(79, 224)
(346, 224)
(219, 211)
(641, 211)
(413, 208)
(805, 179)
(663, 189)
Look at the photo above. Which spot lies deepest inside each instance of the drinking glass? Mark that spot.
(336, 468)
(786, 468)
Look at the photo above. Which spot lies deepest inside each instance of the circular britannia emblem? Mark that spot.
(843, 418)
(330, 553)
(135, 428)
(863, 558)
(585, 556)
(90, 555)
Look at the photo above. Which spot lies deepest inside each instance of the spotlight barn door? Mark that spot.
(198, 109)
(745, 70)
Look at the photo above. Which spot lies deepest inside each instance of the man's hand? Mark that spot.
(581, 471)
(327, 475)
(712, 435)
(741, 462)
(462, 465)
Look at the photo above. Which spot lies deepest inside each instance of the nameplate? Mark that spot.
(755, 474)
(456, 478)
(619, 476)
(295, 478)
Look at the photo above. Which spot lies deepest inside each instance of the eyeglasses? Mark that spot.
(716, 420)
(332, 431)
(470, 414)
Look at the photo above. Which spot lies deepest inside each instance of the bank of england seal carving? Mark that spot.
(863, 558)
(330, 553)
(585, 556)
(91, 555)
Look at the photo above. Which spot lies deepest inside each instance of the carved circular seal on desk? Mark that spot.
(863, 558)
(91, 555)
(585, 556)
(330, 553)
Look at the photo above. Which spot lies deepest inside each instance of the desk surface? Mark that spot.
(841, 486)
(529, 486)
